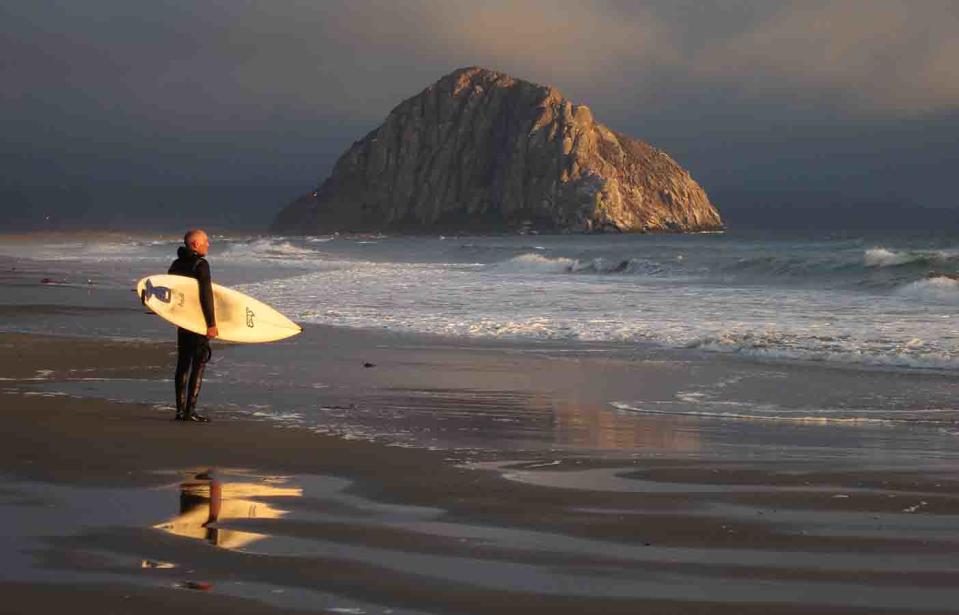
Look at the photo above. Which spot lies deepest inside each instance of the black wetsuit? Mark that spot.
(193, 349)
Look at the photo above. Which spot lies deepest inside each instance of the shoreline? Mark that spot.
(772, 343)
(434, 531)
(537, 397)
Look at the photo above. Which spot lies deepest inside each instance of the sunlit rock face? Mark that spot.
(480, 150)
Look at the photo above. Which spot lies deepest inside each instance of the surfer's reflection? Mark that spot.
(206, 501)
(193, 498)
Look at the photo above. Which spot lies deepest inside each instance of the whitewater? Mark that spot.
(866, 302)
(846, 302)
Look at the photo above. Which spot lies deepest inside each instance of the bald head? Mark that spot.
(197, 240)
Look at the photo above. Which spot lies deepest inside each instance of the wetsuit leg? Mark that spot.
(184, 363)
(201, 355)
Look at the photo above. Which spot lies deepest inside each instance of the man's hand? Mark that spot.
(212, 332)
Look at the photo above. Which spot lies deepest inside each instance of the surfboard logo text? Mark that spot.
(161, 293)
(249, 317)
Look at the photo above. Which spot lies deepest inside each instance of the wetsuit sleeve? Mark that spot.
(206, 292)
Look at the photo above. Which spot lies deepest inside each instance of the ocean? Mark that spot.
(872, 314)
(869, 302)
(846, 301)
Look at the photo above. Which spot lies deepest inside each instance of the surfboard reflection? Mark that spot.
(206, 502)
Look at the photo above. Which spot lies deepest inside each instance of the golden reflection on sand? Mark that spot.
(589, 426)
(205, 500)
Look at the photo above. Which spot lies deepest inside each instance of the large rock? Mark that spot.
(480, 150)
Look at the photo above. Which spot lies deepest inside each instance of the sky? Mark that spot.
(113, 107)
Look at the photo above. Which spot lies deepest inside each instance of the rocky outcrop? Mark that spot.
(480, 150)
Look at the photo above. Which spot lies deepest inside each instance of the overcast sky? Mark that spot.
(852, 97)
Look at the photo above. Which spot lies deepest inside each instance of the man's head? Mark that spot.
(197, 240)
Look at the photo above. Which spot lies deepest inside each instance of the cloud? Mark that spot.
(238, 84)
(861, 57)
(580, 43)
(228, 64)
(870, 55)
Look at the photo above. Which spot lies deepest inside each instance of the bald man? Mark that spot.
(193, 349)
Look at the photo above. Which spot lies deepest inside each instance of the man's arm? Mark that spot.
(206, 297)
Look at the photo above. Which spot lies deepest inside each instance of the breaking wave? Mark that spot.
(274, 249)
(537, 263)
(881, 257)
(936, 288)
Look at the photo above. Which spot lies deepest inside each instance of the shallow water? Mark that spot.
(42, 529)
(273, 522)
(691, 344)
(879, 300)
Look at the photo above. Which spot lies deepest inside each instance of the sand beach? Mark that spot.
(372, 469)
(108, 504)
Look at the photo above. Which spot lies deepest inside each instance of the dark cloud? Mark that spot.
(228, 90)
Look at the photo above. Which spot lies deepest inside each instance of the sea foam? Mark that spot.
(750, 412)
(881, 257)
(938, 288)
(535, 263)
(274, 249)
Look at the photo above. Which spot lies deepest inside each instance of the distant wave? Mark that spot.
(937, 288)
(876, 269)
(95, 250)
(605, 265)
(493, 248)
(537, 263)
(881, 257)
(269, 248)
(779, 265)
(767, 301)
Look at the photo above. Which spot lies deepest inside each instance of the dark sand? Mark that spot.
(97, 496)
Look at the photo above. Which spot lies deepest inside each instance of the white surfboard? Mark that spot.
(239, 318)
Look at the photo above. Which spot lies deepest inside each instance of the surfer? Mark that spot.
(193, 349)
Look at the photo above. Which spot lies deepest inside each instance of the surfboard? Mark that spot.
(239, 317)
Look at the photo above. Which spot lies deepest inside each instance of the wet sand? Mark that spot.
(114, 506)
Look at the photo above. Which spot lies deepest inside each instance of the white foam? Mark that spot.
(535, 263)
(912, 353)
(881, 257)
(123, 249)
(749, 412)
(592, 298)
(763, 323)
(938, 289)
(274, 249)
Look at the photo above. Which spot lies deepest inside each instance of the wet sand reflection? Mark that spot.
(206, 502)
(591, 426)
